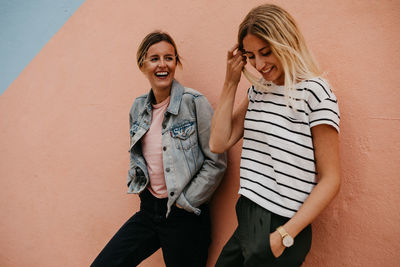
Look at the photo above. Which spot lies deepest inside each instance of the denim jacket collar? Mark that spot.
(175, 100)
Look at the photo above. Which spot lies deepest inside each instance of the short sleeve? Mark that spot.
(326, 112)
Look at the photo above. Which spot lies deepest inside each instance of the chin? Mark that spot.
(163, 84)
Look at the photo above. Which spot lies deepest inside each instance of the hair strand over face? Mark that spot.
(277, 27)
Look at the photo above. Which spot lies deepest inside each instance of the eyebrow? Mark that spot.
(259, 50)
(166, 55)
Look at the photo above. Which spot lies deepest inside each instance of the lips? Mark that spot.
(267, 71)
(162, 74)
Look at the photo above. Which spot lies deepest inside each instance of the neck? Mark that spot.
(161, 94)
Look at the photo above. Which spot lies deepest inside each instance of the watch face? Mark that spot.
(287, 241)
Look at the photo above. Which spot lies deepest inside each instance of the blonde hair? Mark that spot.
(277, 27)
(153, 38)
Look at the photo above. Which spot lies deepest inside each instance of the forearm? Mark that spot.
(318, 200)
(221, 125)
(326, 150)
(225, 127)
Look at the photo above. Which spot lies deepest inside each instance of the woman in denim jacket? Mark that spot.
(171, 167)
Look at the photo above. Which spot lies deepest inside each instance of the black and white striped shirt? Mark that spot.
(277, 169)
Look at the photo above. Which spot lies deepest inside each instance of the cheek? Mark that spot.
(149, 74)
(172, 67)
(277, 63)
(146, 69)
(280, 68)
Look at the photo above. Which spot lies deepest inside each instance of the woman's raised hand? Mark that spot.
(235, 63)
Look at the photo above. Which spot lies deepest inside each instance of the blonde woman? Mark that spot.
(171, 167)
(289, 122)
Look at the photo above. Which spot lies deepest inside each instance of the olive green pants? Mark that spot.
(249, 245)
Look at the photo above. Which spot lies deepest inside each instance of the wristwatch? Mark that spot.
(287, 240)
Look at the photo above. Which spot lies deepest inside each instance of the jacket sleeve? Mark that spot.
(131, 130)
(207, 179)
(131, 172)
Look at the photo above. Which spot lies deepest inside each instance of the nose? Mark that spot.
(162, 62)
(259, 63)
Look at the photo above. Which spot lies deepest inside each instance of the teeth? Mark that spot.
(162, 73)
(267, 70)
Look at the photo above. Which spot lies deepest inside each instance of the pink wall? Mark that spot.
(64, 127)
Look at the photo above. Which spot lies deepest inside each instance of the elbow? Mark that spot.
(331, 183)
(335, 185)
(215, 148)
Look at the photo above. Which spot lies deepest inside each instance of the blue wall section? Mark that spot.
(25, 27)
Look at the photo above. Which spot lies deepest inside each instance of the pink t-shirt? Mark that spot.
(152, 151)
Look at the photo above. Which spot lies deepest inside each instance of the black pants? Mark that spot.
(183, 237)
(249, 245)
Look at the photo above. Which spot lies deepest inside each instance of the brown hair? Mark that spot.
(153, 38)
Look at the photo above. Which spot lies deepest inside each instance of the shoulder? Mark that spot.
(318, 88)
(194, 100)
(139, 102)
(322, 103)
(191, 93)
(179, 92)
(141, 98)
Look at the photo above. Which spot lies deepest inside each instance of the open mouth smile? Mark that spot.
(162, 74)
(267, 71)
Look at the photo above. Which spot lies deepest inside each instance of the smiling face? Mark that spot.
(260, 56)
(159, 66)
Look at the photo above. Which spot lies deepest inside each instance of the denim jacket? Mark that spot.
(192, 172)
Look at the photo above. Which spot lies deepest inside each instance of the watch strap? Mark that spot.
(282, 231)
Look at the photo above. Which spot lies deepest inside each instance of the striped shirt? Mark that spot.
(277, 168)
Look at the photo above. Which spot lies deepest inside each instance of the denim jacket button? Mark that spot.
(164, 148)
(172, 194)
(167, 169)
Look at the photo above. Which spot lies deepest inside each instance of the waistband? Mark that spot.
(151, 203)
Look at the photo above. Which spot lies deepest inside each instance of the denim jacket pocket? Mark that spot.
(184, 135)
